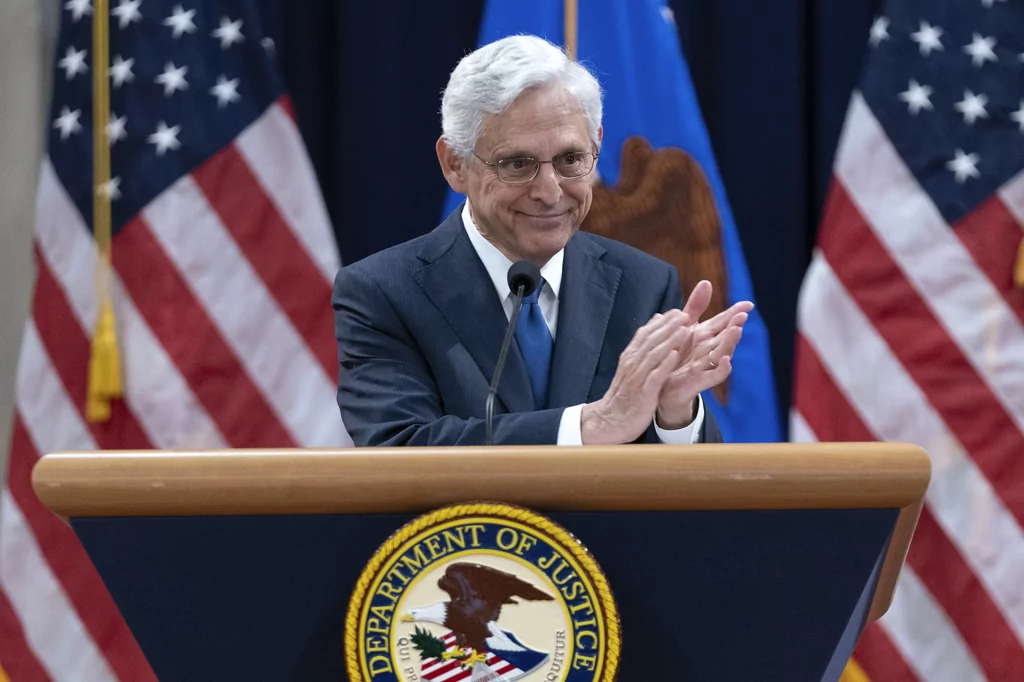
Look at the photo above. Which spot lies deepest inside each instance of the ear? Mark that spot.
(452, 165)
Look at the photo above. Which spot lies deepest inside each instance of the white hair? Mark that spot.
(487, 81)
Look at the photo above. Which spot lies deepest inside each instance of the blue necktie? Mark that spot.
(534, 339)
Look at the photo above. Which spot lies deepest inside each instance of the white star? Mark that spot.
(928, 38)
(225, 91)
(121, 71)
(78, 8)
(980, 49)
(668, 16)
(879, 31)
(229, 33)
(1018, 116)
(165, 138)
(917, 96)
(181, 21)
(964, 165)
(972, 107)
(73, 63)
(115, 128)
(990, 3)
(126, 12)
(110, 189)
(268, 45)
(173, 79)
(67, 122)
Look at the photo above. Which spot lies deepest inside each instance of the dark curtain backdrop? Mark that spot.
(773, 79)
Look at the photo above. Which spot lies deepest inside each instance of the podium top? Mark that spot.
(591, 478)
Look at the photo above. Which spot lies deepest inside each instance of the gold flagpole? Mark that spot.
(570, 27)
(104, 363)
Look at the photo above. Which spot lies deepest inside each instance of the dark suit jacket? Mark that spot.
(419, 327)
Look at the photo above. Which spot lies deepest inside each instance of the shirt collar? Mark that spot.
(497, 263)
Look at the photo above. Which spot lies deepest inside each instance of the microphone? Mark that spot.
(523, 278)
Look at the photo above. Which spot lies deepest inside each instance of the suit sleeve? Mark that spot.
(386, 392)
(709, 431)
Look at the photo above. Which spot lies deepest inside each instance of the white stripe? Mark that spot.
(274, 150)
(925, 637)
(52, 628)
(1012, 194)
(155, 390)
(261, 336)
(906, 221)
(799, 430)
(894, 408)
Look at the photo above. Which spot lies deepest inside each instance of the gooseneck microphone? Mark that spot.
(523, 278)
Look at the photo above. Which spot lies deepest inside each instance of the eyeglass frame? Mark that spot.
(496, 164)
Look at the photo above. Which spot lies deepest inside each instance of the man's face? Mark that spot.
(533, 220)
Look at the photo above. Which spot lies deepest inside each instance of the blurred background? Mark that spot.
(866, 159)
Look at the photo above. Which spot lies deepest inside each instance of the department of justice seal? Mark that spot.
(482, 593)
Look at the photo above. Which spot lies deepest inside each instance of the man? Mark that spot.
(603, 353)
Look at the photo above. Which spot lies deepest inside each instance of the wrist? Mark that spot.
(594, 425)
(672, 420)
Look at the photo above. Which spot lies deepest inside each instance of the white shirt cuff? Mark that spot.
(687, 434)
(570, 429)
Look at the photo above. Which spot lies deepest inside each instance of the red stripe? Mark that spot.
(71, 565)
(16, 657)
(272, 249)
(190, 338)
(922, 345)
(992, 235)
(952, 584)
(68, 348)
(879, 659)
(821, 402)
(288, 105)
(447, 667)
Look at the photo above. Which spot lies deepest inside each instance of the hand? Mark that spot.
(626, 409)
(706, 359)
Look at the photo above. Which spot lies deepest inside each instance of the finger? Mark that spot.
(652, 357)
(700, 298)
(724, 318)
(660, 327)
(725, 346)
(657, 377)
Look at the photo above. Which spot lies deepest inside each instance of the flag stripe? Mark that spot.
(275, 152)
(959, 494)
(14, 649)
(925, 636)
(1012, 196)
(261, 337)
(819, 411)
(273, 250)
(159, 395)
(956, 589)
(879, 658)
(68, 349)
(53, 630)
(922, 345)
(929, 256)
(213, 372)
(937, 562)
(985, 232)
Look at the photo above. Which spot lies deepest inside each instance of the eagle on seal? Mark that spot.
(477, 595)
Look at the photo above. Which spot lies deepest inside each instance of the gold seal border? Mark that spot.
(569, 542)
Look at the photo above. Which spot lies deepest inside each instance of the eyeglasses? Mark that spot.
(519, 170)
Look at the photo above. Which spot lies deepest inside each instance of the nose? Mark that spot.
(547, 186)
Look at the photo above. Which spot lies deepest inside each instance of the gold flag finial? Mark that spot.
(570, 27)
(1018, 268)
(104, 358)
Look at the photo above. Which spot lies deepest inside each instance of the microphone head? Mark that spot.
(523, 274)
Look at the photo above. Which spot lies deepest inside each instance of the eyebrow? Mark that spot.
(569, 149)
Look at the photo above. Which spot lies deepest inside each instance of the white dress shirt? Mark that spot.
(497, 265)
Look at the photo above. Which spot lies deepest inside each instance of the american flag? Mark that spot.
(911, 324)
(223, 261)
(498, 669)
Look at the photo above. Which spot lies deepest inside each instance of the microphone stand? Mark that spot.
(499, 367)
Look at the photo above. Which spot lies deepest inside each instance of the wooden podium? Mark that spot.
(727, 562)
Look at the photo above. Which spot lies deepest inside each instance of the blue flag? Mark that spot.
(633, 49)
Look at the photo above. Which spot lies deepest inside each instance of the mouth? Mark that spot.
(545, 217)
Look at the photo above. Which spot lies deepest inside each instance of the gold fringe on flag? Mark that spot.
(853, 673)
(1018, 269)
(104, 360)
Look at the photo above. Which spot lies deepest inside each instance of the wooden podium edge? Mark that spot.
(543, 478)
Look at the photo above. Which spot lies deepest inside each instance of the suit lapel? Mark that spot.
(456, 281)
(584, 308)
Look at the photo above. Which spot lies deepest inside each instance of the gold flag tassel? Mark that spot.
(104, 360)
(1018, 269)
